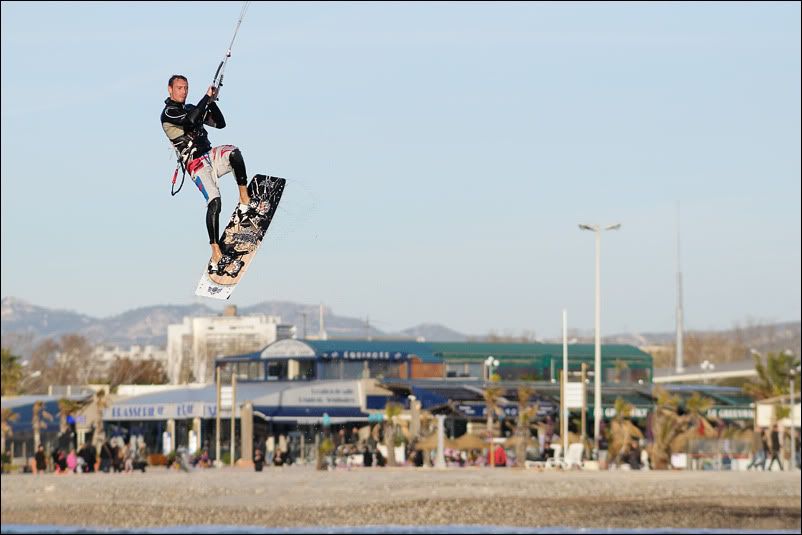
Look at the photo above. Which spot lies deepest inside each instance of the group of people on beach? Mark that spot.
(115, 455)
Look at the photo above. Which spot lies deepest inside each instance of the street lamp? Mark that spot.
(490, 363)
(707, 366)
(597, 409)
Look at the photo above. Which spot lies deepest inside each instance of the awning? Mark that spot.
(22, 406)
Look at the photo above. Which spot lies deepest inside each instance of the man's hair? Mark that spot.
(175, 77)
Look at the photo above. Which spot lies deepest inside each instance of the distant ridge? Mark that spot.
(23, 321)
(24, 324)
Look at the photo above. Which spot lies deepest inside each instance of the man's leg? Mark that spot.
(203, 177)
(228, 159)
(213, 227)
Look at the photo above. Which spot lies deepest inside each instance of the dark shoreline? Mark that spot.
(508, 511)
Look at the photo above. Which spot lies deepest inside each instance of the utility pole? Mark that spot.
(564, 384)
(233, 417)
(679, 367)
(217, 421)
(584, 401)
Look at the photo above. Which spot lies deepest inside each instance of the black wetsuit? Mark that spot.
(183, 125)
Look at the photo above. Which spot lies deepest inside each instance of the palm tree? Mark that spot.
(11, 376)
(8, 417)
(667, 425)
(773, 376)
(696, 406)
(67, 407)
(39, 414)
(695, 422)
(491, 395)
(525, 415)
(101, 403)
(391, 411)
(622, 430)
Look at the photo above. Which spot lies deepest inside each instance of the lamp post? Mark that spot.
(490, 363)
(597, 371)
(707, 366)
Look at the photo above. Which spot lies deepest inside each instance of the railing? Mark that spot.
(717, 453)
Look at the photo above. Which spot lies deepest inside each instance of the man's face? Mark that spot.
(178, 91)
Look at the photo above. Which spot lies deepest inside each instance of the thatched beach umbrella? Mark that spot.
(515, 440)
(469, 441)
(430, 443)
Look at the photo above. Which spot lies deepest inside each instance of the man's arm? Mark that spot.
(214, 117)
(183, 117)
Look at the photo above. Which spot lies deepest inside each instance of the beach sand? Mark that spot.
(301, 496)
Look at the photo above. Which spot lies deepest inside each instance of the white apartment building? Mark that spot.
(193, 344)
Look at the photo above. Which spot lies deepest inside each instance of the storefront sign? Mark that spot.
(637, 412)
(731, 413)
(365, 355)
(343, 394)
(479, 409)
(178, 411)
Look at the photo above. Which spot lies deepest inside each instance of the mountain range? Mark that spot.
(24, 324)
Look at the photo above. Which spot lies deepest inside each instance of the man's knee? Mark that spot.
(238, 165)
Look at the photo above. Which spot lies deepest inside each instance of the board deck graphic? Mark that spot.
(242, 236)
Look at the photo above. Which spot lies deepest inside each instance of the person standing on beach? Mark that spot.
(105, 457)
(758, 449)
(258, 460)
(40, 460)
(775, 448)
(72, 460)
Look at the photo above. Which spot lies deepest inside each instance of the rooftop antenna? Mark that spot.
(679, 364)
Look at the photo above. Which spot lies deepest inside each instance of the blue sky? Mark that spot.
(439, 157)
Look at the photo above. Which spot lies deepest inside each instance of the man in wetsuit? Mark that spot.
(184, 125)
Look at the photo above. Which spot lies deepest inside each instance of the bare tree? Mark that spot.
(64, 361)
(125, 371)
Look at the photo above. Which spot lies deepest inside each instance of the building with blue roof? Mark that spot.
(293, 386)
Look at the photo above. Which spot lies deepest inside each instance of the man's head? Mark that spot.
(178, 87)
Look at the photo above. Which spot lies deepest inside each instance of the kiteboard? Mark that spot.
(241, 238)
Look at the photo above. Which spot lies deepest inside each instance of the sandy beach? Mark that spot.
(301, 496)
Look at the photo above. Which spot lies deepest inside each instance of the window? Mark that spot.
(352, 370)
(306, 370)
(385, 369)
(255, 371)
(225, 373)
(473, 369)
(242, 370)
(330, 370)
(277, 370)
